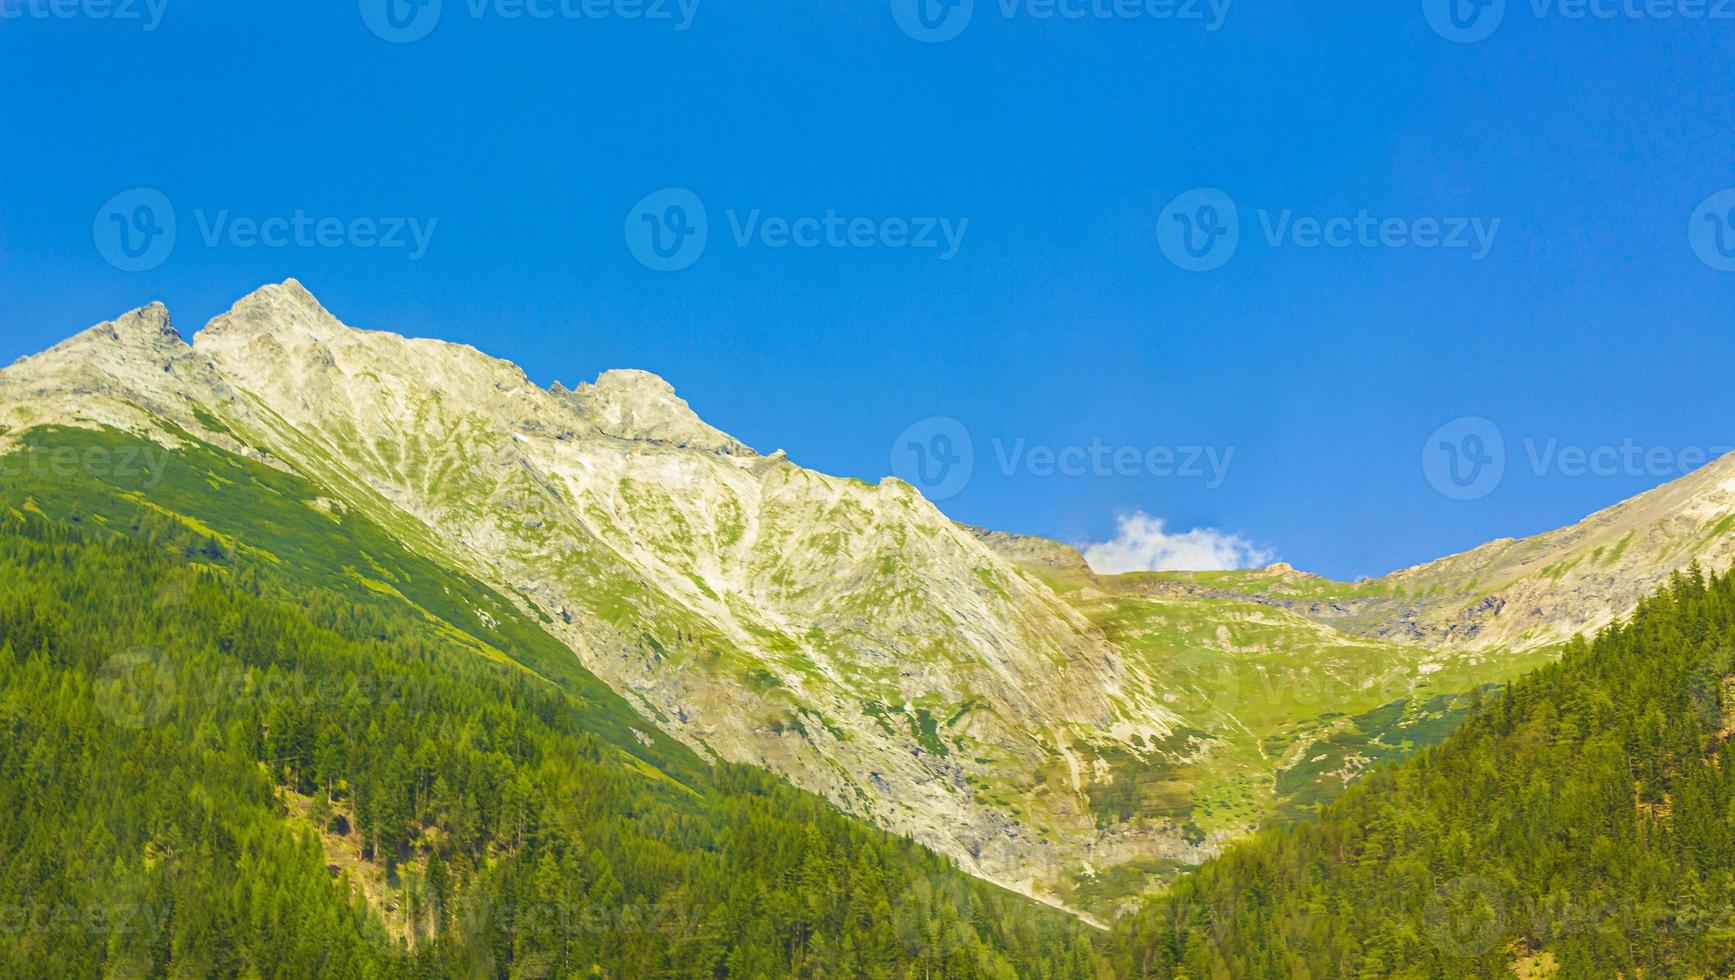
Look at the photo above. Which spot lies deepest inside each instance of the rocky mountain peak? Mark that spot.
(145, 330)
(640, 406)
(278, 311)
(149, 325)
(118, 373)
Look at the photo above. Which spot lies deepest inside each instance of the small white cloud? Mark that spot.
(1142, 543)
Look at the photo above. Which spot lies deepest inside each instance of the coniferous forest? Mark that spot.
(206, 771)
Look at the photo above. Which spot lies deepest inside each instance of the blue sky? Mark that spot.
(1050, 146)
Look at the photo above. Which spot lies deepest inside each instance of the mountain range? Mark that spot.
(1076, 737)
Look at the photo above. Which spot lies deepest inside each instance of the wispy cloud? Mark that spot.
(1143, 543)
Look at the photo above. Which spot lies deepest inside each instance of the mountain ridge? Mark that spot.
(1064, 734)
(279, 378)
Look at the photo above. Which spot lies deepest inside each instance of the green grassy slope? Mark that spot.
(1281, 711)
(107, 479)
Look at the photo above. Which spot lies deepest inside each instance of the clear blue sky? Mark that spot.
(1060, 321)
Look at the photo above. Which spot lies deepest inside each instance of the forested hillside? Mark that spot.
(1079, 738)
(246, 733)
(212, 768)
(1580, 825)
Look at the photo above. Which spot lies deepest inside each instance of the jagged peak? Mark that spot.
(276, 309)
(643, 407)
(290, 292)
(147, 326)
(147, 329)
(283, 322)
